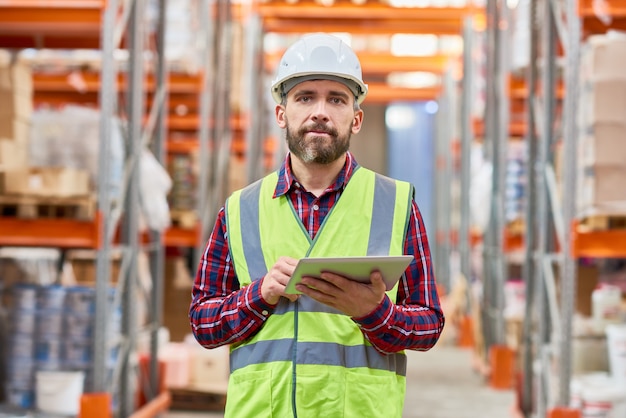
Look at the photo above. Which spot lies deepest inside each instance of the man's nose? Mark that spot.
(320, 112)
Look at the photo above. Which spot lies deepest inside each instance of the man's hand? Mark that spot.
(348, 296)
(275, 281)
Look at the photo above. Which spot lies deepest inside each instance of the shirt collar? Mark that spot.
(287, 180)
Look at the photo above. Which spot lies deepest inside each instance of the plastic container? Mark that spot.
(21, 322)
(80, 300)
(20, 373)
(20, 346)
(59, 392)
(616, 342)
(78, 352)
(51, 297)
(606, 303)
(20, 397)
(49, 324)
(23, 297)
(78, 325)
(48, 353)
(603, 398)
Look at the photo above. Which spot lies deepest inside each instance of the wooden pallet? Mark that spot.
(186, 219)
(33, 207)
(603, 222)
(191, 400)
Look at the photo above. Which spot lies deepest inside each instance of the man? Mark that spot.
(336, 348)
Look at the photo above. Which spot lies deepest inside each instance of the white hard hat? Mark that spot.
(319, 56)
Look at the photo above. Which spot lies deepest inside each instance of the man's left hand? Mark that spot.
(353, 298)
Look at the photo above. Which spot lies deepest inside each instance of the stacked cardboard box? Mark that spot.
(602, 127)
(16, 106)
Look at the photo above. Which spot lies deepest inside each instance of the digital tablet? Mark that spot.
(356, 268)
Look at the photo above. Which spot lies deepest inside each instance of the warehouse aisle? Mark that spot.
(440, 384)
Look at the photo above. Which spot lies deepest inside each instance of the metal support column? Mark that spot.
(496, 138)
(466, 150)
(530, 272)
(207, 48)
(130, 221)
(108, 104)
(548, 330)
(157, 253)
(255, 154)
(443, 178)
(570, 140)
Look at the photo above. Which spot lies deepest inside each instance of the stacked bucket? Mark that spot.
(50, 328)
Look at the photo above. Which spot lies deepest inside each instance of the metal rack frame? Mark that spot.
(123, 383)
(545, 342)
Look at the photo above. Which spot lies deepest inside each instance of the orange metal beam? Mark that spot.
(50, 232)
(598, 244)
(90, 81)
(381, 64)
(179, 237)
(383, 93)
(365, 19)
(613, 8)
(51, 24)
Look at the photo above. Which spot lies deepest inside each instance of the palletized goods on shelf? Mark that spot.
(602, 127)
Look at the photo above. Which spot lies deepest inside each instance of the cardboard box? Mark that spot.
(83, 264)
(604, 145)
(15, 129)
(47, 181)
(15, 75)
(605, 102)
(16, 105)
(605, 184)
(210, 369)
(603, 57)
(13, 154)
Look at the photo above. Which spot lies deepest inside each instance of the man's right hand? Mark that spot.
(275, 281)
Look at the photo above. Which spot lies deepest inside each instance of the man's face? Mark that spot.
(319, 119)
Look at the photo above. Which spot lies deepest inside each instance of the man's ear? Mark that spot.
(280, 116)
(357, 122)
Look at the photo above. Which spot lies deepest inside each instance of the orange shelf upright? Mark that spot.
(50, 232)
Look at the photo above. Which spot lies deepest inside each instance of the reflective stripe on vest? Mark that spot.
(370, 218)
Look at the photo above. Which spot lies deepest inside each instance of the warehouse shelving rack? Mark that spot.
(92, 24)
(553, 236)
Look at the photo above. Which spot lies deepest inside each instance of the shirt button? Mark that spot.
(315, 207)
(264, 312)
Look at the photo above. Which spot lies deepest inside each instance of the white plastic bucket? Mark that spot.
(59, 392)
(616, 342)
(603, 398)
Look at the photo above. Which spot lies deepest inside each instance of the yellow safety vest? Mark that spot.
(309, 360)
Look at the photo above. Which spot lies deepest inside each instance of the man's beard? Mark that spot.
(317, 150)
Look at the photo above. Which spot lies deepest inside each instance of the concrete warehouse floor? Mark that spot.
(441, 383)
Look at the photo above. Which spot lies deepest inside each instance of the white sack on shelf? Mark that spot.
(155, 184)
(480, 189)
